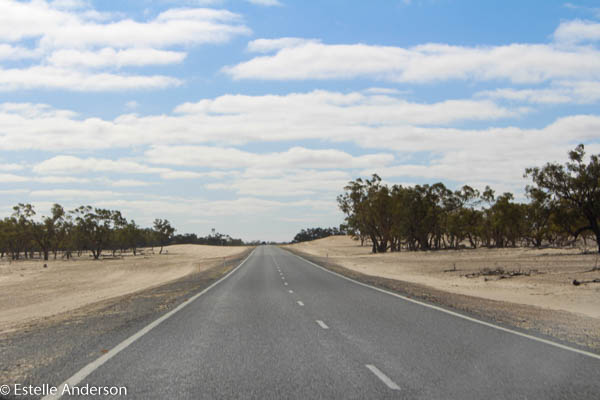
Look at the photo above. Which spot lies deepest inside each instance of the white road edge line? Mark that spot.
(301, 304)
(383, 377)
(91, 367)
(322, 324)
(477, 321)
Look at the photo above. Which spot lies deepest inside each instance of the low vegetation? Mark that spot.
(563, 207)
(306, 235)
(87, 229)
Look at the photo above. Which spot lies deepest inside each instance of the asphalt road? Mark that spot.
(279, 327)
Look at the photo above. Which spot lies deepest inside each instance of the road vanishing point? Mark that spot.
(279, 327)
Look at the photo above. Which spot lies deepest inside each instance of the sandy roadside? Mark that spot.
(28, 291)
(549, 285)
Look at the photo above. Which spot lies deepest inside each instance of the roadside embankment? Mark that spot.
(36, 289)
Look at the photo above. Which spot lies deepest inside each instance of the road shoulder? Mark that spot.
(50, 350)
(568, 328)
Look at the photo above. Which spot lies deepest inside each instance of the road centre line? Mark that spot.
(91, 367)
(383, 377)
(291, 291)
(459, 315)
(301, 304)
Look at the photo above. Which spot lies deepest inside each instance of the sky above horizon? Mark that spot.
(250, 116)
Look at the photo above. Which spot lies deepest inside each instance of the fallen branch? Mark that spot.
(577, 283)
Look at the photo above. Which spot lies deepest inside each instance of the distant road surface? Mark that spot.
(280, 328)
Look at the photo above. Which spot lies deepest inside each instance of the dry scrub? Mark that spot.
(29, 291)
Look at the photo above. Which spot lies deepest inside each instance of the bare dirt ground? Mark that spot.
(30, 292)
(542, 297)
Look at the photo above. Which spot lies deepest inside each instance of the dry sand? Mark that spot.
(28, 291)
(550, 288)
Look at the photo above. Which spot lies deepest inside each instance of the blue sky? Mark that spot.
(250, 116)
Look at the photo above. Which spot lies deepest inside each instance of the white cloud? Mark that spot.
(12, 192)
(423, 63)
(12, 178)
(11, 167)
(132, 104)
(287, 183)
(295, 157)
(76, 165)
(47, 77)
(268, 3)
(73, 194)
(71, 37)
(9, 52)
(270, 45)
(69, 4)
(581, 92)
(129, 183)
(68, 164)
(577, 31)
(237, 119)
(109, 57)
(62, 29)
(59, 179)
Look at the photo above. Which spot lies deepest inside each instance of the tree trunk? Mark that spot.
(596, 230)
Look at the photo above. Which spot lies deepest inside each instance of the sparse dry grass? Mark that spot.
(28, 291)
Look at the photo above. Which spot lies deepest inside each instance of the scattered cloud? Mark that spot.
(577, 31)
(132, 105)
(270, 45)
(70, 38)
(420, 64)
(287, 183)
(578, 92)
(295, 157)
(268, 3)
(109, 57)
(75, 194)
(11, 167)
(64, 164)
(47, 77)
(238, 119)
(129, 183)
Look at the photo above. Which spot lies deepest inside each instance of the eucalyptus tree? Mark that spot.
(46, 232)
(164, 232)
(575, 186)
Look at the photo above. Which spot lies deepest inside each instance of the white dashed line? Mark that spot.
(322, 324)
(383, 377)
(291, 291)
(459, 315)
(285, 283)
(301, 304)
